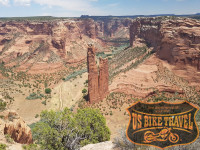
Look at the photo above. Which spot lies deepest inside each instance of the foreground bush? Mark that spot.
(65, 130)
(30, 147)
(2, 146)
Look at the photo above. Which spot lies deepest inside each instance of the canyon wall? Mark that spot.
(31, 45)
(97, 80)
(176, 40)
(113, 28)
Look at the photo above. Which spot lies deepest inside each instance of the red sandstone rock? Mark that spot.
(16, 127)
(97, 84)
(66, 40)
(103, 78)
(93, 84)
(19, 131)
(175, 40)
(90, 28)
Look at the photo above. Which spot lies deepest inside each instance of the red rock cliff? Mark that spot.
(103, 78)
(176, 40)
(97, 81)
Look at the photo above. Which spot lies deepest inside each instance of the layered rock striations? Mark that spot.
(97, 80)
(31, 45)
(176, 40)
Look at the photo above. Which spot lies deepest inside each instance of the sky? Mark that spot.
(76, 8)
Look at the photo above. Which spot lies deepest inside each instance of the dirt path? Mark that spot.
(61, 102)
(66, 94)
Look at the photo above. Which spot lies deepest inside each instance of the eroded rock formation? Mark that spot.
(93, 83)
(16, 127)
(176, 40)
(103, 78)
(97, 80)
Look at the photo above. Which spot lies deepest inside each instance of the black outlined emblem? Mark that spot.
(162, 124)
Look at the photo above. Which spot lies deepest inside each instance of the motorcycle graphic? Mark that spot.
(164, 135)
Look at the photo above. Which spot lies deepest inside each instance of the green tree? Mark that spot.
(47, 90)
(84, 91)
(65, 130)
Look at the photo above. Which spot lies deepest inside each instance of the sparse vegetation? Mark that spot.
(33, 96)
(169, 77)
(75, 74)
(2, 105)
(31, 147)
(135, 55)
(9, 139)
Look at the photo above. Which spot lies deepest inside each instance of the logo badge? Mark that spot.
(162, 124)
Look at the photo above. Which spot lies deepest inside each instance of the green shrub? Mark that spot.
(48, 91)
(3, 146)
(44, 102)
(33, 96)
(2, 105)
(65, 130)
(9, 139)
(86, 81)
(30, 147)
(84, 91)
(75, 74)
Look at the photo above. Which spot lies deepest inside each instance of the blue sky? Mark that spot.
(75, 8)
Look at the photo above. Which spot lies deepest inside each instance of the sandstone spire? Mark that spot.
(103, 78)
(97, 80)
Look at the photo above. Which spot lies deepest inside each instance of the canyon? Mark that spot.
(34, 46)
(117, 60)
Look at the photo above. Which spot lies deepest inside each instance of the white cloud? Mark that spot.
(4, 2)
(82, 6)
(73, 5)
(22, 2)
(76, 5)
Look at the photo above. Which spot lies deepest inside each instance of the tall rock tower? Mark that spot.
(93, 84)
(103, 78)
(97, 80)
